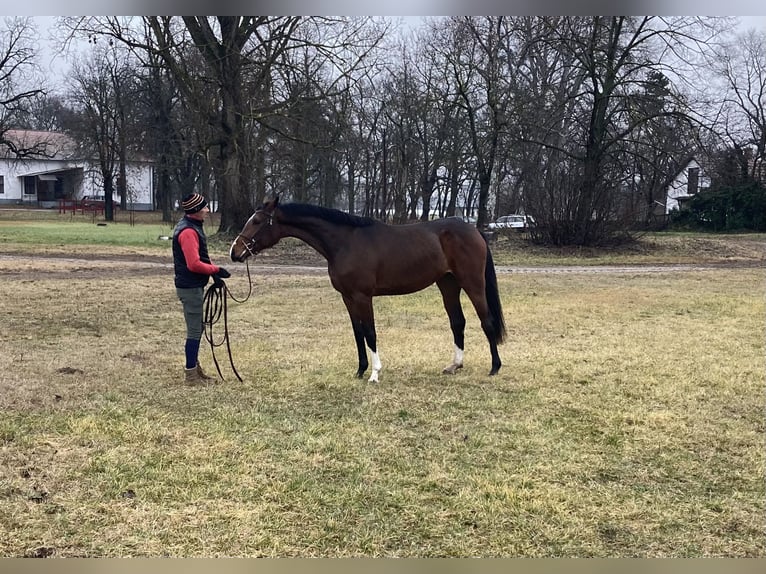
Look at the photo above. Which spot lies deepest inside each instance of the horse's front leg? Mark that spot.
(363, 322)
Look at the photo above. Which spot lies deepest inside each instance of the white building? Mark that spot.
(687, 183)
(57, 172)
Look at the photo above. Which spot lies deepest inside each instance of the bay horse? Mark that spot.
(367, 258)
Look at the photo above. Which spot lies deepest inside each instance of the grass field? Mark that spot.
(627, 420)
(48, 232)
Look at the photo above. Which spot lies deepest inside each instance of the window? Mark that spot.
(30, 185)
(2, 184)
(694, 178)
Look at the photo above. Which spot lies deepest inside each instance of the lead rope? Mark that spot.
(215, 307)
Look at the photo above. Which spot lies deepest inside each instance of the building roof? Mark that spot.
(37, 145)
(30, 144)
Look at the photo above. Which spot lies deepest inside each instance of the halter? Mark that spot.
(249, 242)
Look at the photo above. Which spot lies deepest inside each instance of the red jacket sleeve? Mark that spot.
(189, 242)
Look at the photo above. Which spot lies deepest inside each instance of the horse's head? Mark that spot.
(259, 233)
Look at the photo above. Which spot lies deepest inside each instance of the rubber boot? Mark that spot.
(202, 374)
(192, 377)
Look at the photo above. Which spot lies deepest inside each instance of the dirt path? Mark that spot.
(22, 266)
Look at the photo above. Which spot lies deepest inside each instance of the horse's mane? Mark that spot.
(326, 214)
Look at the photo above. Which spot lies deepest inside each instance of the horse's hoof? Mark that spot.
(451, 369)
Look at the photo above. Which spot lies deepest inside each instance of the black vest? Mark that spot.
(185, 279)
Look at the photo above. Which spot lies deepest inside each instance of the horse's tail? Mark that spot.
(493, 297)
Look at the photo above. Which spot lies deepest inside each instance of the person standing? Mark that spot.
(193, 270)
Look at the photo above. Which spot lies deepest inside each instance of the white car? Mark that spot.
(514, 221)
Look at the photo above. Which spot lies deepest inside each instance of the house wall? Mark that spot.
(679, 187)
(11, 170)
(77, 179)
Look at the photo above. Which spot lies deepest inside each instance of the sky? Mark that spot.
(55, 65)
(390, 7)
(757, 22)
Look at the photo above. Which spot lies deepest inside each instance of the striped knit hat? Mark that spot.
(193, 203)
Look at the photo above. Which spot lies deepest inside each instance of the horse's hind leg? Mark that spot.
(479, 300)
(450, 290)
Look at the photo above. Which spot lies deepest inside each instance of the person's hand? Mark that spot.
(222, 273)
(218, 281)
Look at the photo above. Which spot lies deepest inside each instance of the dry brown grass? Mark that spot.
(651, 248)
(627, 420)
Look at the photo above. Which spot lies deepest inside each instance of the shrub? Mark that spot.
(741, 207)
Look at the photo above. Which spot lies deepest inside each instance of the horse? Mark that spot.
(368, 258)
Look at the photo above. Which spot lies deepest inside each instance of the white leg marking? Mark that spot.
(376, 367)
(457, 362)
(458, 356)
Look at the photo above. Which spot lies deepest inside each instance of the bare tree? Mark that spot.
(44, 113)
(169, 135)
(221, 43)
(242, 56)
(476, 53)
(17, 77)
(605, 95)
(308, 110)
(97, 94)
(435, 123)
(362, 144)
(742, 66)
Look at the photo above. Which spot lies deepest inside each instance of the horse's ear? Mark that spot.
(271, 202)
